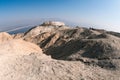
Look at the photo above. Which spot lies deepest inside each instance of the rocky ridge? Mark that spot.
(76, 54)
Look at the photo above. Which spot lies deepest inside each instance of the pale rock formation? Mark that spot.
(18, 46)
(4, 37)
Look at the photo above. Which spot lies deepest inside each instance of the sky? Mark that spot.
(97, 13)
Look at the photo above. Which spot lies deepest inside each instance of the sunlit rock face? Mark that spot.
(19, 46)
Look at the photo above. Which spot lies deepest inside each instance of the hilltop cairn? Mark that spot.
(53, 23)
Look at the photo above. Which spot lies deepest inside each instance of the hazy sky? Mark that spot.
(104, 13)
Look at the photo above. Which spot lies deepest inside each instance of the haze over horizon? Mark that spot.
(102, 14)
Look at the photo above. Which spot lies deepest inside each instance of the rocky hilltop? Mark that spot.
(54, 51)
